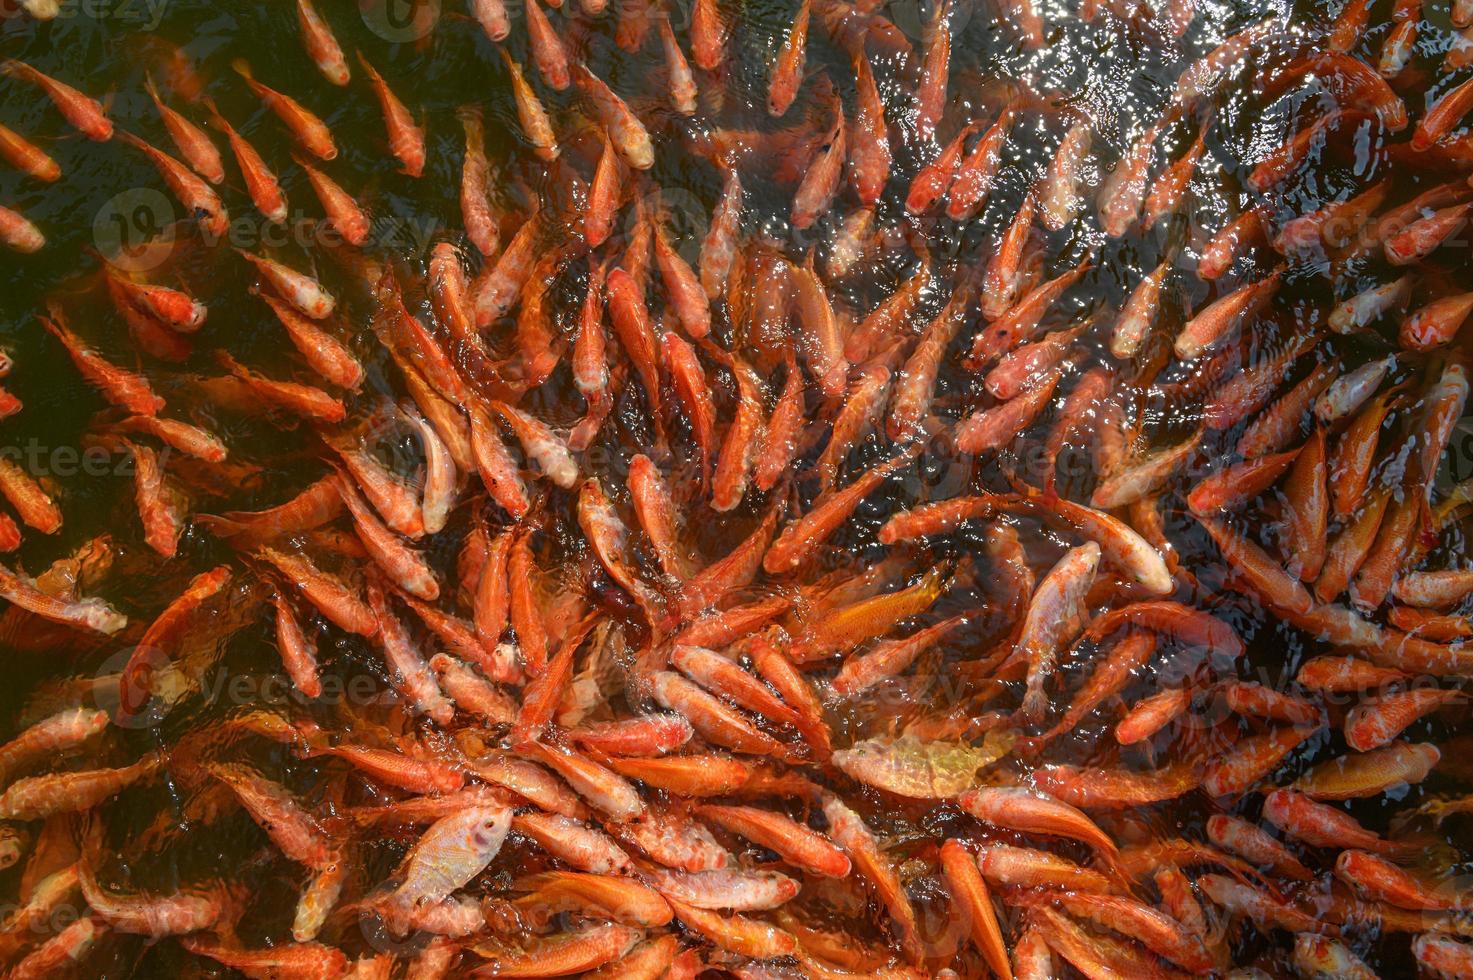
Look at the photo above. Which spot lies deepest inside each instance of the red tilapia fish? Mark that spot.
(654, 491)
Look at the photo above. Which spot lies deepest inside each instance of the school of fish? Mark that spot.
(781, 585)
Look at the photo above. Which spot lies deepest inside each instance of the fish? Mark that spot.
(20, 233)
(1055, 617)
(914, 388)
(154, 916)
(935, 179)
(1246, 230)
(536, 125)
(969, 891)
(194, 193)
(629, 134)
(935, 71)
(1139, 313)
(718, 248)
(683, 289)
(711, 546)
(261, 182)
(26, 156)
(492, 16)
(924, 770)
(343, 213)
(708, 34)
(175, 308)
(194, 145)
(1060, 198)
(547, 49)
(83, 112)
(1123, 190)
(406, 137)
(821, 177)
(452, 850)
(326, 355)
(787, 71)
(1035, 812)
(976, 174)
(1216, 320)
(36, 797)
(850, 833)
(683, 88)
(322, 46)
(1170, 189)
(479, 217)
(305, 125)
(304, 293)
(287, 396)
(870, 156)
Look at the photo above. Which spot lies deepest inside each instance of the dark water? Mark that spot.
(1120, 74)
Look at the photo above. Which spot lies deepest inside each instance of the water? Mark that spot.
(1117, 74)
